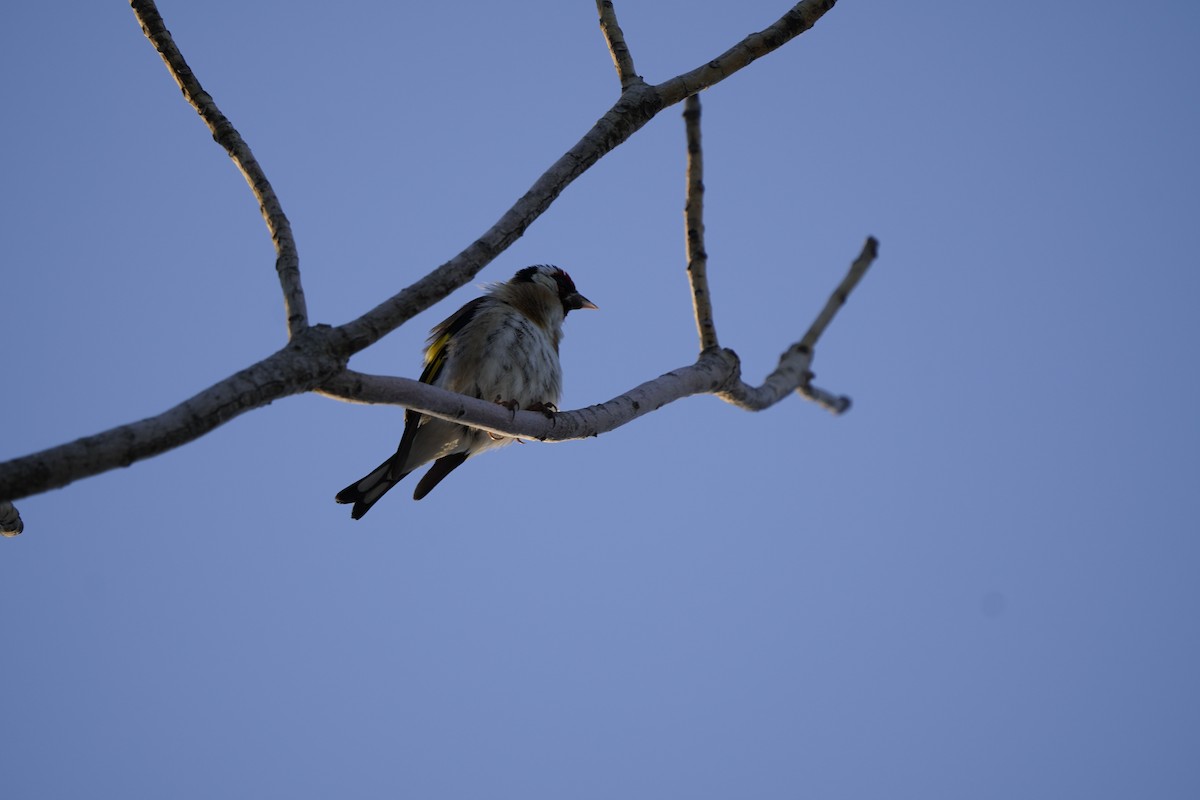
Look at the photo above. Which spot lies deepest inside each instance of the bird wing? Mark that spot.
(436, 353)
(439, 339)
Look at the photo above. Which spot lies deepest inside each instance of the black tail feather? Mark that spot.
(440, 469)
(366, 491)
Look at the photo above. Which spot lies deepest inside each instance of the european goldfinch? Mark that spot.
(501, 347)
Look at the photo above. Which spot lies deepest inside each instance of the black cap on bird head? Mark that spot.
(567, 293)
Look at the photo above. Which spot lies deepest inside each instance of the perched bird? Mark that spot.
(501, 347)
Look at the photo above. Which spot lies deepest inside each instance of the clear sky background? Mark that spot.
(979, 583)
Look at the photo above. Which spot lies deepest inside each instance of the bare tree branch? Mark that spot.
(838, 404)
(10, 521)
(287, 258)
(838, 299)
(633, 109)
(316, 356)
(833, 403)
(793, 372)
(302, 365)
(311, 362)
(693, 212)
(621, 57)
(717, 371)
(713, 370)
(310, 358)
(636, 106)
(796, 21)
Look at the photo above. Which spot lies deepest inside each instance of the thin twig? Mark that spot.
(794, 372)
(693, 214)
(833, 403)
(794, 22)
(287, 258)
(622, 59)
(10, 521)
(870, 252)
(636, 106)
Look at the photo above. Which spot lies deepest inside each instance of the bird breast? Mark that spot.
(502, 356)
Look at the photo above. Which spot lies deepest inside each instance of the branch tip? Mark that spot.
(795, 21)
(833, 403)
(622, 58)
(287, 261)
(836, 300)
(10, 520)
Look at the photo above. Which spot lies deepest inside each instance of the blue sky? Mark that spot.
(978, 583)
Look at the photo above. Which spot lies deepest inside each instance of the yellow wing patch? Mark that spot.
(435, 358)
(439, 339)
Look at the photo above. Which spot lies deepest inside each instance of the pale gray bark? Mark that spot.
(316, 356)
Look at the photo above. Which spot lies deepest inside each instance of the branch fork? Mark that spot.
(316, 356)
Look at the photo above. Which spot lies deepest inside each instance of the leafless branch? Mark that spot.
(10, 521)
(794, 371)
(838, 299)
(833, 403)
(315, 357)
(717, 371)
(621, 57)
(798, 19)
(713, 370)
(636, 106)
(287, 258)
(693, 212)
(307, 361)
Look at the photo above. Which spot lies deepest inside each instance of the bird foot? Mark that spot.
(512, 407)
(549, 409)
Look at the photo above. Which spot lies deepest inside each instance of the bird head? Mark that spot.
(555, 281)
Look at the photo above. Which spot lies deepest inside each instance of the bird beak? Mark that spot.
(579, 301)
